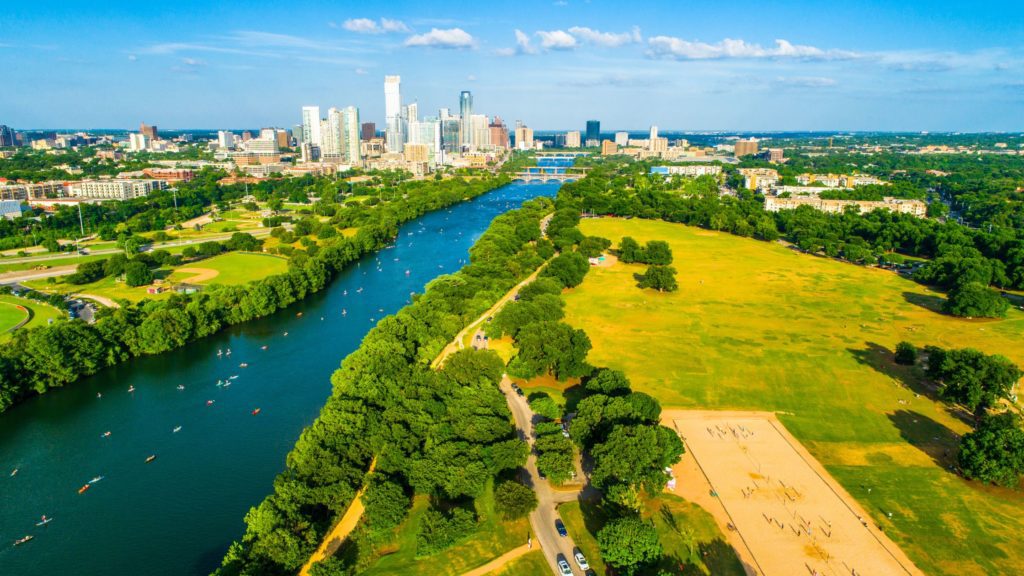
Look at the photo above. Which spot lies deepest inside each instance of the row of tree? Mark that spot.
(443, 433)
(51, 356)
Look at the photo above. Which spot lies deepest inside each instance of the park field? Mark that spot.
(10, 315)
(757, 326)
(229, 269)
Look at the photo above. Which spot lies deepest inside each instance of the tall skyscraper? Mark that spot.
(593, 132)
(148, 131)
(572, 139)
(622, 138)
(498, 133)
(654, 132)
(465, 117)
(7, 137)
(311, 125)
(350, 134)
(331, 137)
(369, 131)
(393, 113)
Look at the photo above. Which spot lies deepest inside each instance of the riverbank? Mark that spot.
(178, 514)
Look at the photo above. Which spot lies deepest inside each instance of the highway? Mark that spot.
(542, 520)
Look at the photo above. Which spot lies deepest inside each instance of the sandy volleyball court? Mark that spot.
(788, 516)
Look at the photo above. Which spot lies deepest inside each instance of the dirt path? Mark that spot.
(101, 299)
(778, 506)
(499, 561)
(344, 527)
(201, 274)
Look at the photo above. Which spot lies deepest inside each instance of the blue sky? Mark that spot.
(797, 65)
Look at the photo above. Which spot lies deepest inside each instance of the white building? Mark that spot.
(261, 145)
(622, 139)
(393, 133)
(225, 140)
(311, 125)
(138, 142)
(691, 170)
(480, 132)
(572, 139)
(115, 189)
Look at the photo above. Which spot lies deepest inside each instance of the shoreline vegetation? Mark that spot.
(446, 433)
(46, 357)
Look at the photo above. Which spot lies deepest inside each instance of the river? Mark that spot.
(177, 514)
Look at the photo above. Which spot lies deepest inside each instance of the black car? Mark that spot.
(561, 528)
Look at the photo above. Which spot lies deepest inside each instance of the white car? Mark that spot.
(581, 561)
(563, 566)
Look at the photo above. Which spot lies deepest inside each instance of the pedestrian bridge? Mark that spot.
(547, 177)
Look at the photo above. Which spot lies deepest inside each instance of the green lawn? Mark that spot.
(64, 261)
(234, 268)
(231, 268)
(10, 315)
(529, 564)
(493, 538)
(756, 326)
(41, 314)
(691, 541)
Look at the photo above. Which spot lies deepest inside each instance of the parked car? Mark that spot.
(563, 566)
(581, 560)
(560, 527)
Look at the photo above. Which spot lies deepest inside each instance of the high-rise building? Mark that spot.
(593, 132)
(412, 113)
(425, 133)
(297, 134)
(148, 131)
(225, 140)
(775, 155)
(524, 137)
(311, 125)
(369, 131)
(654, 132)
(465, 115)
(350, 134)
(137, 142)
(622, 138)
(480, 132)
(7, 137)
(282, 138)
(498, 133)
(608, 148)
(393, 113)
(330, 135)
(745, 147)
(572, 139)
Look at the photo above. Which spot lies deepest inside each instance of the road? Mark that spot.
(62, 255)
(542, 520)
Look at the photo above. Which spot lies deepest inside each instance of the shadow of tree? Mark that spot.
(933, 303)
(913, 378)
(931, 437)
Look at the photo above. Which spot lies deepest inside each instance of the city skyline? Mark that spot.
(939, 66)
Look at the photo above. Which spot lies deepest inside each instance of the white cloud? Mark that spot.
(606, 39)
(471, 77)
(678, 49)
(389, 25)
(368, 26)
(556, 40)
(361, 71)
(438, 38)
(132, 57)
(804, 82)
(523, 46)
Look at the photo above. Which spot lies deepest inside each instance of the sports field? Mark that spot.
(756, 326)
(230, 268)
(11, 315)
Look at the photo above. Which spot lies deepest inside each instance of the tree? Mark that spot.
(975, 300)
(629, 544)
(906, 353)
(137, 274)
(593, 246)
(660, 278)
(545, 406)
(607, 381)
(994, 452)
(569, 268)
(552, 347)
(657, 252)
(629, 250)
(88, 272)
(971, 378)
(635, 456)
(513, 500)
